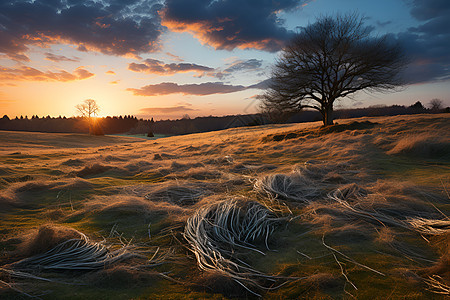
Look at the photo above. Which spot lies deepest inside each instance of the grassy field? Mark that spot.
(357, 210)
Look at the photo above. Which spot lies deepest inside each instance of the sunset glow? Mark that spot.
(164, 59)
(224, 149)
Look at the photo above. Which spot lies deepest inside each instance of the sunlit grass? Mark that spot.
(389, 215)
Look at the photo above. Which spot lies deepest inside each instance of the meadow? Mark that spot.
(356, 210)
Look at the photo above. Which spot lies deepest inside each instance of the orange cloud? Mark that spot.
(231, 24)
(109, 26)
(174, 57)
(25, 73)
(59, 58)
(210, 35)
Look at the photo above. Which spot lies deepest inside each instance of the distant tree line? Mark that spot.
(211, 123)
(186, 125)
(109, 125)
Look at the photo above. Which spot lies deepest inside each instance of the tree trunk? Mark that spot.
(91, 128)
(327, 115)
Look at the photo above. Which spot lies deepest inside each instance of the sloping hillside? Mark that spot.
(277, 211)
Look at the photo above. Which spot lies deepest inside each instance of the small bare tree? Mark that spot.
(330, 59)
(89, 110)
(435, 104)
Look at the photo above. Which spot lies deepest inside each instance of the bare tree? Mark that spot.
(330, 59)
(89, 110)
(435, 104)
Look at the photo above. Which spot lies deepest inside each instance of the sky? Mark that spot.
(165, 59)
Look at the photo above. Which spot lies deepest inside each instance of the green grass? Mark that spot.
(296, 248)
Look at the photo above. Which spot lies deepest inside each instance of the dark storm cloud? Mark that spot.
(110, 26)
(202, 89)
(428, 44)
(154, 66)
(424, 10)
(231, 24)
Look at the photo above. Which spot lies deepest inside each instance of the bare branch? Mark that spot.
(89, 110)
(330, 59)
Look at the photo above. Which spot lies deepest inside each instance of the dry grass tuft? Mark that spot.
(304, 184)
(18, 194)
(287, 187)
(386, 235)
(389, 208)
(122, 276)
(422, 145)
(430, 226)
(322, 281)
(74, 184)
(217, 282)
(73, 254)
(219, 232)
(92, 170)
(438, 285)
(6, 203)
(45, 238)
(73, 162)
(180, 194)
(121, 205)
(320, 131)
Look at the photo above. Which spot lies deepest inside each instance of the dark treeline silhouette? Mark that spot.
(108, 125)
(202, 124)
(133, 125)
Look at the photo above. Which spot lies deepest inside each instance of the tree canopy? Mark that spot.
(89, 110)
(330, 59)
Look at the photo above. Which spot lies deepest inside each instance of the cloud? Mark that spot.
(110, 72)
(424, 10)
(174, 57)
(31, 74)
(59, 58)
(261, 85)
(112, 27)
(166, 110)
(231, 24)
(154, 66)
(244, 65)
(250, 65)
(382, 24)
(114, 82)
(202, 89)
(427, 44)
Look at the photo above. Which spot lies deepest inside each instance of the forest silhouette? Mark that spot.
(132, 125)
